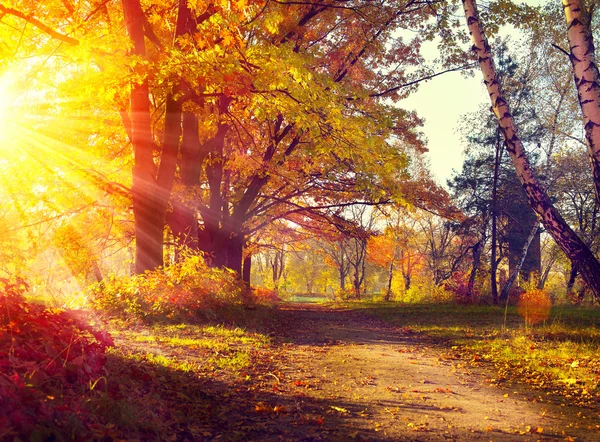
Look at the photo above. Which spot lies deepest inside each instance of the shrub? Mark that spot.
(458, 285)
(180, 291)
(345, 294)
(49, 359)
(424, 290)
(265, 295)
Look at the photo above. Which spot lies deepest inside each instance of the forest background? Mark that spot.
(284, 145)
(178, 160)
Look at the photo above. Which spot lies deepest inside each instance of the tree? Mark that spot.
(487, 189)
(566, 238)
(586, 76)
(443, 246)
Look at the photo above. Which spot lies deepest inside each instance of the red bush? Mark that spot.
(48, 359)
(265, 295)
(458, 284)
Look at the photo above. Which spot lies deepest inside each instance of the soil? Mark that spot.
(387, 383)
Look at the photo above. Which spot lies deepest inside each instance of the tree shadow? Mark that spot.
(147, 401)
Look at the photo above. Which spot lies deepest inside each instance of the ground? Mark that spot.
(334, 374)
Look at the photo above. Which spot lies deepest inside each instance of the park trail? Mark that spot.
(336, 374)
(385, 383)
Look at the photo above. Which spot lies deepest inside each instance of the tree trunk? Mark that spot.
(235, 251)
(247, 267)
(151, 189)
(571, 280)
(587, 78)
(96, 270)
(148, 233)
(477, 249)
(575, 249)
(493, 259)
(342, 270)
(388, 293)
(519, 264)
(544, 276)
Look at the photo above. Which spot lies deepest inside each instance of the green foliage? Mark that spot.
(50, 360)
(184, 290)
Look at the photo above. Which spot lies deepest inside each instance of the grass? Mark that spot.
(185, 346)
(559, 355)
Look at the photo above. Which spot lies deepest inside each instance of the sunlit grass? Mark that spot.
(191, 347)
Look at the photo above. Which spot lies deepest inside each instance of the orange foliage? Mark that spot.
(265, 295)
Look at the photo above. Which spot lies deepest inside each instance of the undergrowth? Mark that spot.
(50, 361)
(184, 291)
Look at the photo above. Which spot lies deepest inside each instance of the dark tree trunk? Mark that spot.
(477, 249)
(494, 209)
(388, 293)
(571, 280)
(407, 279)
(477, 252)
(247, 268)
(235, 251)
(518, 235)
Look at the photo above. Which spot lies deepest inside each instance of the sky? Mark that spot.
(441, 102)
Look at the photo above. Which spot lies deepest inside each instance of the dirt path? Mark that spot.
(386, 384)
(329, 375)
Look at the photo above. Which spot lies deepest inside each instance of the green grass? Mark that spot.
(188, 347)
(559, 355)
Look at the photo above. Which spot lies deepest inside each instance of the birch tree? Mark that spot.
(566, 238)
(587, 79)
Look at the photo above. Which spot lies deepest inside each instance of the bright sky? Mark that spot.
(441, 102)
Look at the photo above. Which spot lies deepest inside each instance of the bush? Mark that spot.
(458, 285)
(345, 294)
(178, 292)
(424, 290)
(49, 359)
(264, 295)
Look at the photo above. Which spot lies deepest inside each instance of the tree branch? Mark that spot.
(38, 24)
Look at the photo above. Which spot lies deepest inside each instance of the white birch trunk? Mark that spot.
(587, 79)
(565, 237)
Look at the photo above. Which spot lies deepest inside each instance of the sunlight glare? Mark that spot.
(8, 98)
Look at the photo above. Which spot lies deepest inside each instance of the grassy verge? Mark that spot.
(558, 356)
(176, 379)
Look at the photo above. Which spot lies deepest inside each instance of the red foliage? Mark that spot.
(48, 359)
(458, 284)
(265, 295)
